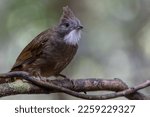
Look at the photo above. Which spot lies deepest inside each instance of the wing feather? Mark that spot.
(31, 51)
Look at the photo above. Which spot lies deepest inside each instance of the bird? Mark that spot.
(53, 49)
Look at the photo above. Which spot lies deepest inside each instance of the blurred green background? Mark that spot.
(115, 41)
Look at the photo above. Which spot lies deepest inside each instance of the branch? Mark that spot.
(70, 87)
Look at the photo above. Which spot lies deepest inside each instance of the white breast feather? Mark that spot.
(73, 37)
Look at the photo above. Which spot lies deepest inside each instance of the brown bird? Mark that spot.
(52, 50)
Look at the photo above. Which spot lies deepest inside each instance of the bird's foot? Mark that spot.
(40, 78)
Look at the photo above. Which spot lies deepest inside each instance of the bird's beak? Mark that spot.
(79, 27)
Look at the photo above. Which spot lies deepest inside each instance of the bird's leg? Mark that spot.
(63, 76)
(41, 78)
(37, 75)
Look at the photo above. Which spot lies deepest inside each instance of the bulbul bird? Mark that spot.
(53, 49)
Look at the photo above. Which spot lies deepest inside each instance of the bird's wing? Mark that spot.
(31, 51)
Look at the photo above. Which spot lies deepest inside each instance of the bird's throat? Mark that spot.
(73, 37)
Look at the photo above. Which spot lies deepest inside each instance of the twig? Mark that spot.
(113, 85)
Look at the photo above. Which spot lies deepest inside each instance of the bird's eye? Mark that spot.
(66, 25)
